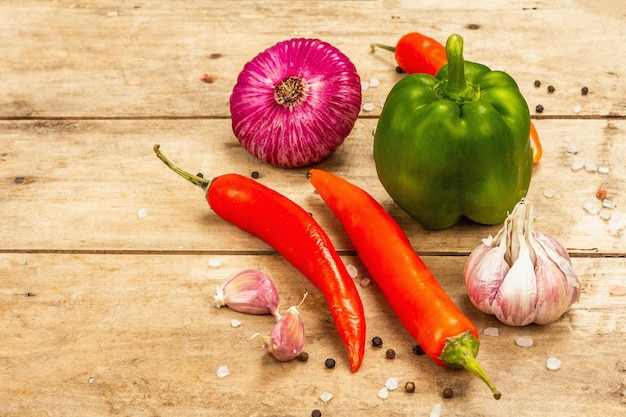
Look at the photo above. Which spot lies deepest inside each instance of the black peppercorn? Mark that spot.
(537, 83)
(399, 70)
(303, 357)
(200, 175)
(316, 413)
(417, 349)
(329, 363)
(409, 387)
(539, 108)
(377, 341)
(584, 91)
(390, 354)
(448, 393)
(550, 89)
(255, 174)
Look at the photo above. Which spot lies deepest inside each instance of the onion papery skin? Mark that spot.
(303, 132)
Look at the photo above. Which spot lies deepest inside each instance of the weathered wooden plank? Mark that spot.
(139, 335)
(105, 59)
(78, 186)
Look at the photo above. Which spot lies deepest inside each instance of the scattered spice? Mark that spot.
(19, 180)
(539, 108)
(316, 413)
(369, 107)
(255, 174)
(577, 108)
(352, 271)
(377, 341)
(303, 357)
(602, 192)
(399, 70)
(208, 78)
(618, 291)
(473, 26)
(390, 354)
(329, 363)
(436, 412)
(417, 350)
(200, 175)
(584, 91)
(537, 83)
(549, 193)
(374, 82)
(365, 282)
(383, 393)
(142, 213)
(215, 55)
(448, 393)
(550, 89)
(409, 387)
(235, 322)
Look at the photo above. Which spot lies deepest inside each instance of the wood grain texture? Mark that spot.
(104, 313)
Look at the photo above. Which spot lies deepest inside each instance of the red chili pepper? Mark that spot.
(445, 334)
(416, 53)
(294, 233)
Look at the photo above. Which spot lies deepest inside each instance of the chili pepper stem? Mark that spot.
(460, 351)
(373, 47)
(194, 179)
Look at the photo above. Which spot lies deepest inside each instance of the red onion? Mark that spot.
(295, 102)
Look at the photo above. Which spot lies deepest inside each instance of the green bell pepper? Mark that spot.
(455, 145)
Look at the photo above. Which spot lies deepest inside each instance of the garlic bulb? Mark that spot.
(521, 276)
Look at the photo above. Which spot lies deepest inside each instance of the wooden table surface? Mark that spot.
(105, 312)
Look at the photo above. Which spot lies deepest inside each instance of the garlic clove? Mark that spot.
(515, 302)
(484, 272)
(250, 291)
(287, 338)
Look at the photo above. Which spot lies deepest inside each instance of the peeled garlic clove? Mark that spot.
(250, 291)
(286, 340)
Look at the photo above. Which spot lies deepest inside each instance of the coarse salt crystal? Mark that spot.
(235, 322)
(572, 148)
(592, 206)
(374, 82)
(590, 166)
(326, 396)
(567, 139)
(491, 331)
(577, 108)
(603, 169)
(553, 363)
(352, 271)
(605, 213)
(222, 371)
(91, 380)
(578, 164)
(365, 282)
(436, 411)
(392, 383)
(383, 393)
(369, 107)
(608, 203)
(215, 262)
(142, 213)
(524, 341)
(549, 193)
(364, 85)
(255, 335)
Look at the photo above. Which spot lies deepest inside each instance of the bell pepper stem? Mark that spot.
(455, 87)
(460, 352)
(194, 179)
(373, 47)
